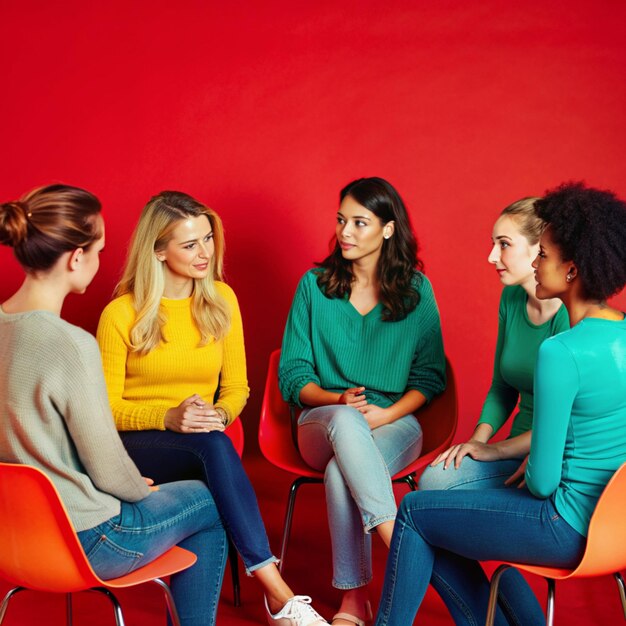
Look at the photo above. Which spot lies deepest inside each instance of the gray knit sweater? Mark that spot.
(55, 415)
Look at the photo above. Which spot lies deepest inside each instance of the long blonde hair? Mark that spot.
(143, 275)
(530, 224)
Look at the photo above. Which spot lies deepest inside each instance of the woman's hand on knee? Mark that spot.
(353, 397)
(477, 450)
(193, 415)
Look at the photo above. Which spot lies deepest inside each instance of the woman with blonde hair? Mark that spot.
(55, 414)
(524, 322)
(175, 368)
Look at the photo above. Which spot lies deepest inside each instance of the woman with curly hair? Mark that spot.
(362, 352)
(578, 440)
(175, 368)
(524, 322)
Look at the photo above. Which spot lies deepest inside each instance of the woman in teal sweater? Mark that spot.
(578, 440)
(362, 352)
(524, 322)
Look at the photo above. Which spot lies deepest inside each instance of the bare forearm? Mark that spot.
(313, 395)
(410, 402)
(482, 433)
(516, 447)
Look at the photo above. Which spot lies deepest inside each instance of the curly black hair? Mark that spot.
(589, 226)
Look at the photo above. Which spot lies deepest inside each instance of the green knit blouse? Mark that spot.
(328, 342)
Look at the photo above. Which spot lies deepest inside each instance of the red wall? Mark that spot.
(264, 110)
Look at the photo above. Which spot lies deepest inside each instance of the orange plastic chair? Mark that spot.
(278, 438)
(605, 552)
(40, 550)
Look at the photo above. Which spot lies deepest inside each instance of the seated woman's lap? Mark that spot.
(146, 529)
(470, 475)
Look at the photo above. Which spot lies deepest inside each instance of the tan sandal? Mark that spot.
(354, 619)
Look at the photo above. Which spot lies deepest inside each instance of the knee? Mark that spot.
(214, 444)
(433, 478)
(332, 474)
(348, 421)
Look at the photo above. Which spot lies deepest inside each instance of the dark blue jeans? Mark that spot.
(167, 456)
(440, 536)
(182, 514)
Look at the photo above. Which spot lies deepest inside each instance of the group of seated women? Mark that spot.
(131, 428)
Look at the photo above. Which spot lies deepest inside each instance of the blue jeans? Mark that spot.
(167, 456)
(177, 514)
(358, 463)
(470, 475)
(440, 536)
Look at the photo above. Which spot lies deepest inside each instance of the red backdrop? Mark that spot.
(264, 110)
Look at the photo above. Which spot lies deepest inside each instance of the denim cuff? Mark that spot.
(251, 570)
(368, 528)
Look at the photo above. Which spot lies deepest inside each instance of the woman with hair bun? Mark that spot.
(362, 352)
(175, 368)
(524, 322)
(578, 439)
(55, 413)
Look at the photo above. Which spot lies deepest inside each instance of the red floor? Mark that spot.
(307, 570)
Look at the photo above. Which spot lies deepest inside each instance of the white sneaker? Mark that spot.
(296, 612)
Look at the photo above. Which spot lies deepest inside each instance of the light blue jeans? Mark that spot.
(358, 463)
(181, 513)
(470, 475)
(440, 536)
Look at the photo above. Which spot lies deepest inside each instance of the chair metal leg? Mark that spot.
(117, 609)
(622, 590)
(409, 479)
(293, 492)
(69, 614)
(550, 606)
(169, 600)
(5, 601)
(493, 594)
(233, 559)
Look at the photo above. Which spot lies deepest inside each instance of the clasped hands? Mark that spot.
(374, 415)
(194, 415)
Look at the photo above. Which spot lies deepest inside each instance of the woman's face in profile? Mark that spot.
(360, 233)
(551, 270)
(88, 264)
(511, 253)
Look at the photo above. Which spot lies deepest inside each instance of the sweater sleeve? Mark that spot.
(84, 404)
(428, 367)
(501, 398)
(297, 367)
(233, 389)
(113, 339)
(556, 386)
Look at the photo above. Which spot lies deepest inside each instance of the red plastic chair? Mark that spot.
(277, 438)
(235, 432)
(39, 548)
(605, 552)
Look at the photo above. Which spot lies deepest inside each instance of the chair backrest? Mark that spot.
(236, 434)
(606, 540)
(39, 548)
(275, 426)
(438, 420)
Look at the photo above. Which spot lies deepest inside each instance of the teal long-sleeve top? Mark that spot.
(514, 364)
(579, 429)
(328, 342)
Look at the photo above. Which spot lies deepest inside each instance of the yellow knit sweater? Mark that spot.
(142, 388)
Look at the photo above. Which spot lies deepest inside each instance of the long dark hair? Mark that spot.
(398, 258)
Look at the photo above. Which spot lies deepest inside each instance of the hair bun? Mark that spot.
(13, 223)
